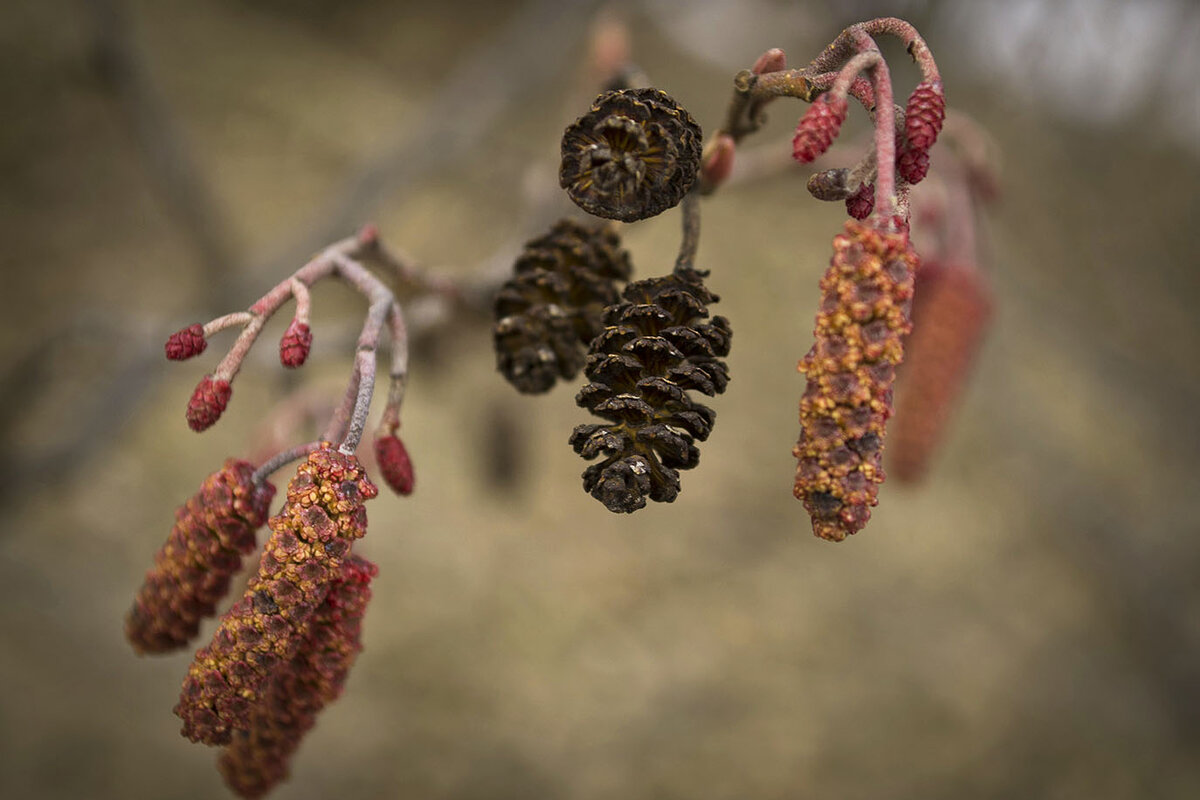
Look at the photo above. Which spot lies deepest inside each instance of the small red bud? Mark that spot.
(913, 165)
(773, 60)
(394, 463)
(924, 115)
(818, 128)
(187, 342)
(718, 161)
(860, 204)
(207, 403)
(295, 344)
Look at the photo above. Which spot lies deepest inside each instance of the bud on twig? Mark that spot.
(187, 342)
(913, 165)
(394, 463)
(208, 403)
(295, 344)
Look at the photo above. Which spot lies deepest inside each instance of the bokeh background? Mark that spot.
(1026, 623)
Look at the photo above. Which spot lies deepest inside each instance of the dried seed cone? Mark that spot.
(551, 307)
(656, 348)
(864, 315)
(952, 307)
(924, 114)
(634, 155)
(257, 758)
(818, 127)
(212, 532)
(310, 538)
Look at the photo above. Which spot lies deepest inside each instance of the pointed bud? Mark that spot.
(295, 344)
(773, 60)
(924, 114)
(718, 160)
(860, 204)
(913, 165)
(394, 463)
(187, 342)
(830, 184)
(818, 127)
(208, 403)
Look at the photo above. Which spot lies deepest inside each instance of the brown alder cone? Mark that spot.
(191, 573)
(634, 155)
(656, 348)
(866, 296)
(258, 757)
(550, 309)
(951, 311)
(310, 537)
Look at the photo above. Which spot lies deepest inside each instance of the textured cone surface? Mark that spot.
(191, 573)
(184, 344)
(924, 114)
(208, 403)
(257, 758)
(656, 348)
(860, 204)
(310, 537)
(818, 128)
(866, 297)
(552, 306)
(295, 344)
(634, 155)
(951, 310)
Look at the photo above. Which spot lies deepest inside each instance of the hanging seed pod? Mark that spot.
(310, 537)
(191, 574)
(866, 296)
(655, 349)
(257, 758)
(634, 155)
(551, 308)
(295, 344)
(952, 306)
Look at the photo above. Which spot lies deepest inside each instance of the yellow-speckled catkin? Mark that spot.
(310, 537)
(866, 297)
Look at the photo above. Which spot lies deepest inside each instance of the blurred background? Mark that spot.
(1025, 623)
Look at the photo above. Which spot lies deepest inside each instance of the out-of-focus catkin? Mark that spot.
(310, 537)
(257, 758)
(191, 573)
(952, 306)
(866, 296)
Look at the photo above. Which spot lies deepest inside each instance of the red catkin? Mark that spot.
(952, 307)
(924, 114)
(295, 344)
(208, 402)
(310, 538)
(866, 295)
(913, 165)
(860, 204)
(257, 758)
(191, 573)
(186, 342)
(394, 464)
(818, 128)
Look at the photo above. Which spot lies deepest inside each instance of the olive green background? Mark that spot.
(1025, 624)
